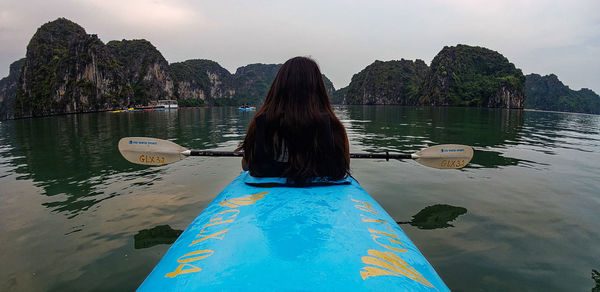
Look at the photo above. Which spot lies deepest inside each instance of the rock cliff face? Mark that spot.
(67, 70)
(328, 86)
(391, 82)
(200, 82)
(253, 82)
(8, 89)
(145, 69)
(339, 96)
(549, 93)
(473, 76)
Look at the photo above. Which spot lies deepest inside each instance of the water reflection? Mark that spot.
(408, 129)
(596, 278)
(436, 216)
(532, 190)
(489, 131)
(162, 234)
(75, 160)
(560, 130)
(494, 159)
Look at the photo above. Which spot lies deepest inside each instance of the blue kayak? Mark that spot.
(247, 109)
(260, 234)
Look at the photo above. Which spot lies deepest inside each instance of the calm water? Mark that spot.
(70, 206)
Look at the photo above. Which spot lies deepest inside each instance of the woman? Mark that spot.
(295, 134)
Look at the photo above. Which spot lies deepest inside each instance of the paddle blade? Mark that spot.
(447, 156)
(150, 151)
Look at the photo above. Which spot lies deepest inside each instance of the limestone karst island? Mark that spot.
(67, 70)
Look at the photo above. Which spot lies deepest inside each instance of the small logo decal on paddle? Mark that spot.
(452, 150)
(143, 142)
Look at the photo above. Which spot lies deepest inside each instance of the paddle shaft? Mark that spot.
(386, 156)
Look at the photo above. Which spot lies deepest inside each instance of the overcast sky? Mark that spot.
(561, 37)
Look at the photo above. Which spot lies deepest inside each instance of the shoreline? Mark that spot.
(334, 105)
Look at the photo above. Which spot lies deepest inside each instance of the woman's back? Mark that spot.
(295, 134)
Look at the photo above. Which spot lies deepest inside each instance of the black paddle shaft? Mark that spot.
(386, 156)
(215, 153)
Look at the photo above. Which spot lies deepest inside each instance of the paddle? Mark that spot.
(152, 151)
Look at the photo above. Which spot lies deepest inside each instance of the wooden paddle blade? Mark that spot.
(448, 156)
(150, 151)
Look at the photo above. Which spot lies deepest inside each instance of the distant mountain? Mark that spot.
(252, 82)
(67, 70)
(339, 96)
(8, 89)
(200, 82)
(473, 76)
(328, 86)
(549, 93)
(205, 82)
(391, 82)
(145, 69)
(458, 76)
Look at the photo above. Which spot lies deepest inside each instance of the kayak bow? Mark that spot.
(261, 234)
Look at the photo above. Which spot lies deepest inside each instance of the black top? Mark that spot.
(271, 159)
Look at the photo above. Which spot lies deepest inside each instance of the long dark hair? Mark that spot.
(297, 116)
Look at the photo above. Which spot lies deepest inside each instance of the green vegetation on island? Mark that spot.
(205, 82)
(549, 93)
(391, 82)
(473, 76)
(596, 278)
(145, 69)
(67, 70)
(8, 89)
(252, 82)
(200, 82)
(458, 76)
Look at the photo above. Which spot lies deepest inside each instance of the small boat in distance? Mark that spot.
(246, 108)
(159, 105)
(167, 104)
(127, 110)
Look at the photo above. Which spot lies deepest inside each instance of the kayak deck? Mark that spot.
(283, 238)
